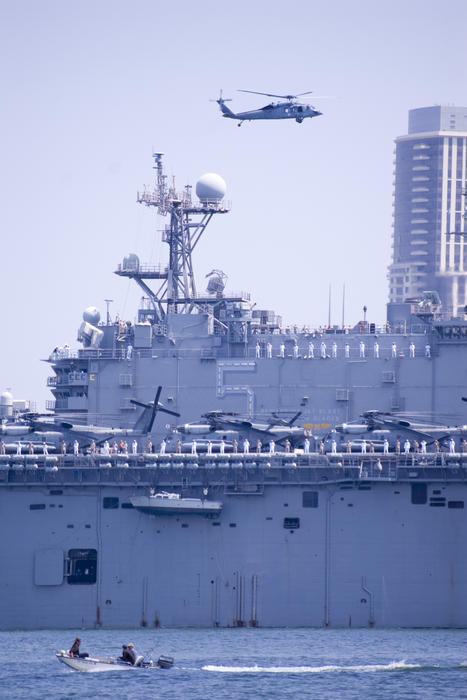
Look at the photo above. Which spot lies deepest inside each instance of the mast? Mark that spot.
(188, 221)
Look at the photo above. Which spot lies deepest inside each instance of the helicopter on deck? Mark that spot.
(57, 428)
(290, 108)
(216, 427)
(378, 426)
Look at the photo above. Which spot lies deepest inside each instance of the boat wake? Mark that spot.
(367, 668)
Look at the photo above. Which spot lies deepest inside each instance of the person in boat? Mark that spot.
(136, 659)
(75, 652)
(126, 656)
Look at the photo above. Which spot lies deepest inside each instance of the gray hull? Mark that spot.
(315, 544)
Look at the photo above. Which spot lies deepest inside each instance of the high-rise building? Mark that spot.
(430, 197)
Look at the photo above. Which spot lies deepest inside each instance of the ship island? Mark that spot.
(303, 479)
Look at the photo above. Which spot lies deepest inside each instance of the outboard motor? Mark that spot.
(165, 661)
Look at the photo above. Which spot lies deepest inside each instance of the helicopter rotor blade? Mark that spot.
(140, 403)
(167, 410)
(154, 408)
(268, 94)
(283, 97)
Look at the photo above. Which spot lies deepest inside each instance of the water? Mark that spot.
(244, 663)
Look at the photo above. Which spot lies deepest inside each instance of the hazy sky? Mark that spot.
(90, 88)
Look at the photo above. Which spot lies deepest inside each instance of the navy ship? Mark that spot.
(267, 500)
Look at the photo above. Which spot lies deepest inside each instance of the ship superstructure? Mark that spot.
(217, 351)
(319, 533)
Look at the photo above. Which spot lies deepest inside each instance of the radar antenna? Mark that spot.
(177, 291)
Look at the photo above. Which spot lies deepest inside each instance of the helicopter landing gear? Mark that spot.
(299, 120)
(239, 123)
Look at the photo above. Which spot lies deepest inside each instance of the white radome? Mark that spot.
(91, 315)
(211, 188)
(6, 399)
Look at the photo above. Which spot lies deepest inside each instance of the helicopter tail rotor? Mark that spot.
(220, 100)
(226, 112)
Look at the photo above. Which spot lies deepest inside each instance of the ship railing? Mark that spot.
(142, 268)
(251, 353)
(63, 354)
(235, 472)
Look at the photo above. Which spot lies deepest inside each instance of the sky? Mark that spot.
(91, 88)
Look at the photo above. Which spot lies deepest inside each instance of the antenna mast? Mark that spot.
(177, 292)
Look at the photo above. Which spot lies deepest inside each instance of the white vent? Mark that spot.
(342, 394)
(126, 380)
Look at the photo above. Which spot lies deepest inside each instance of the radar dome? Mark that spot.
(211, 188)
(92, 315)
(6, 399)
(6, 404)
(131, 262)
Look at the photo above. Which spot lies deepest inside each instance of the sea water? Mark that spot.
(243, 663)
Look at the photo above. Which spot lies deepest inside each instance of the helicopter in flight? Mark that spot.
(289, 108)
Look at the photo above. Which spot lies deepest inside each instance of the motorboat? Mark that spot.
(170, 503)
(92, 664)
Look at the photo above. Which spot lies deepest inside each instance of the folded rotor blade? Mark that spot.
(167, 410)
